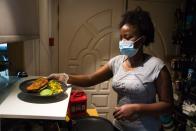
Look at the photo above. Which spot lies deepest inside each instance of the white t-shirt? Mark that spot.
(136, 86)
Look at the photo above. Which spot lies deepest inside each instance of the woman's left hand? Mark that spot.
(127, 111)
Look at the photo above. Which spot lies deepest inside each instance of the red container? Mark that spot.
(77, 103)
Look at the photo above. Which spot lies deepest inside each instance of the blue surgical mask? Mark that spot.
(127, 48)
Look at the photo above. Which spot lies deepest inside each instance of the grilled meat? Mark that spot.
(37, 84)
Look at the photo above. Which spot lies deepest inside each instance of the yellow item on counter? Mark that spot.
(67, 119)
(92, 112)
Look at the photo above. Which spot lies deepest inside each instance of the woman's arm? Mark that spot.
(102, 74)
(165, 95)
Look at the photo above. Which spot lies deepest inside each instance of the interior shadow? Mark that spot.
(41, 99)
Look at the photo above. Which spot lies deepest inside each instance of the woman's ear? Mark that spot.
(143, 39)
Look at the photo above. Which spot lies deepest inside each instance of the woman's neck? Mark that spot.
(136, 60)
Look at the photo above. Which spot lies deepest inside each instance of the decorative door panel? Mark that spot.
(87, 40)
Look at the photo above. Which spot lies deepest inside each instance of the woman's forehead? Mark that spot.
(128, 29)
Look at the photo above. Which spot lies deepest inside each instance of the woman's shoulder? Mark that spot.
(154, 59)
(116, 60)
(119, 58)
(154, 66)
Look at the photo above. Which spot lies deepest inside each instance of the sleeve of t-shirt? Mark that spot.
(159, 64)
(114, 63)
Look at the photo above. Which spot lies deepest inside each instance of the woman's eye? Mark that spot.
(125, 38)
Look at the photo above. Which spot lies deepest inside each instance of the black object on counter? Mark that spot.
(26, 83)
(22, 74)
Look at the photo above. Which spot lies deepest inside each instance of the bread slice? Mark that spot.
(37, 84)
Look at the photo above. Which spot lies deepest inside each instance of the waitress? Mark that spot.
(137, 77)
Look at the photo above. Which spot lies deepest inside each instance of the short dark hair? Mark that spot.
(142, 21)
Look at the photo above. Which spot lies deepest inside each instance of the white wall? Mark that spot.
(37, 53)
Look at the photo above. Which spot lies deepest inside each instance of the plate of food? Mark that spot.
(43, 87)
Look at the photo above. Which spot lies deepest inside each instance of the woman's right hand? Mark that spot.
(63, 77)
(127, 111)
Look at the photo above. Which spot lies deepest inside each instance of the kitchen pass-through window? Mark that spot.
(3, 60)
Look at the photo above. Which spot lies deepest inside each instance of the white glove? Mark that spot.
(59, 76)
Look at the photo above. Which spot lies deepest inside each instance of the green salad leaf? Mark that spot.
(46, 92)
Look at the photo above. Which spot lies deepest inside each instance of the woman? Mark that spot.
(137, 77)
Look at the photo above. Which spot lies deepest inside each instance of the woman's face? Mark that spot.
(129, 32)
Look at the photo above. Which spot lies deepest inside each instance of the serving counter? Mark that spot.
(16, 105)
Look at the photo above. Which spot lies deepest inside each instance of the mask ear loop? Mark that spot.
(138, 39)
